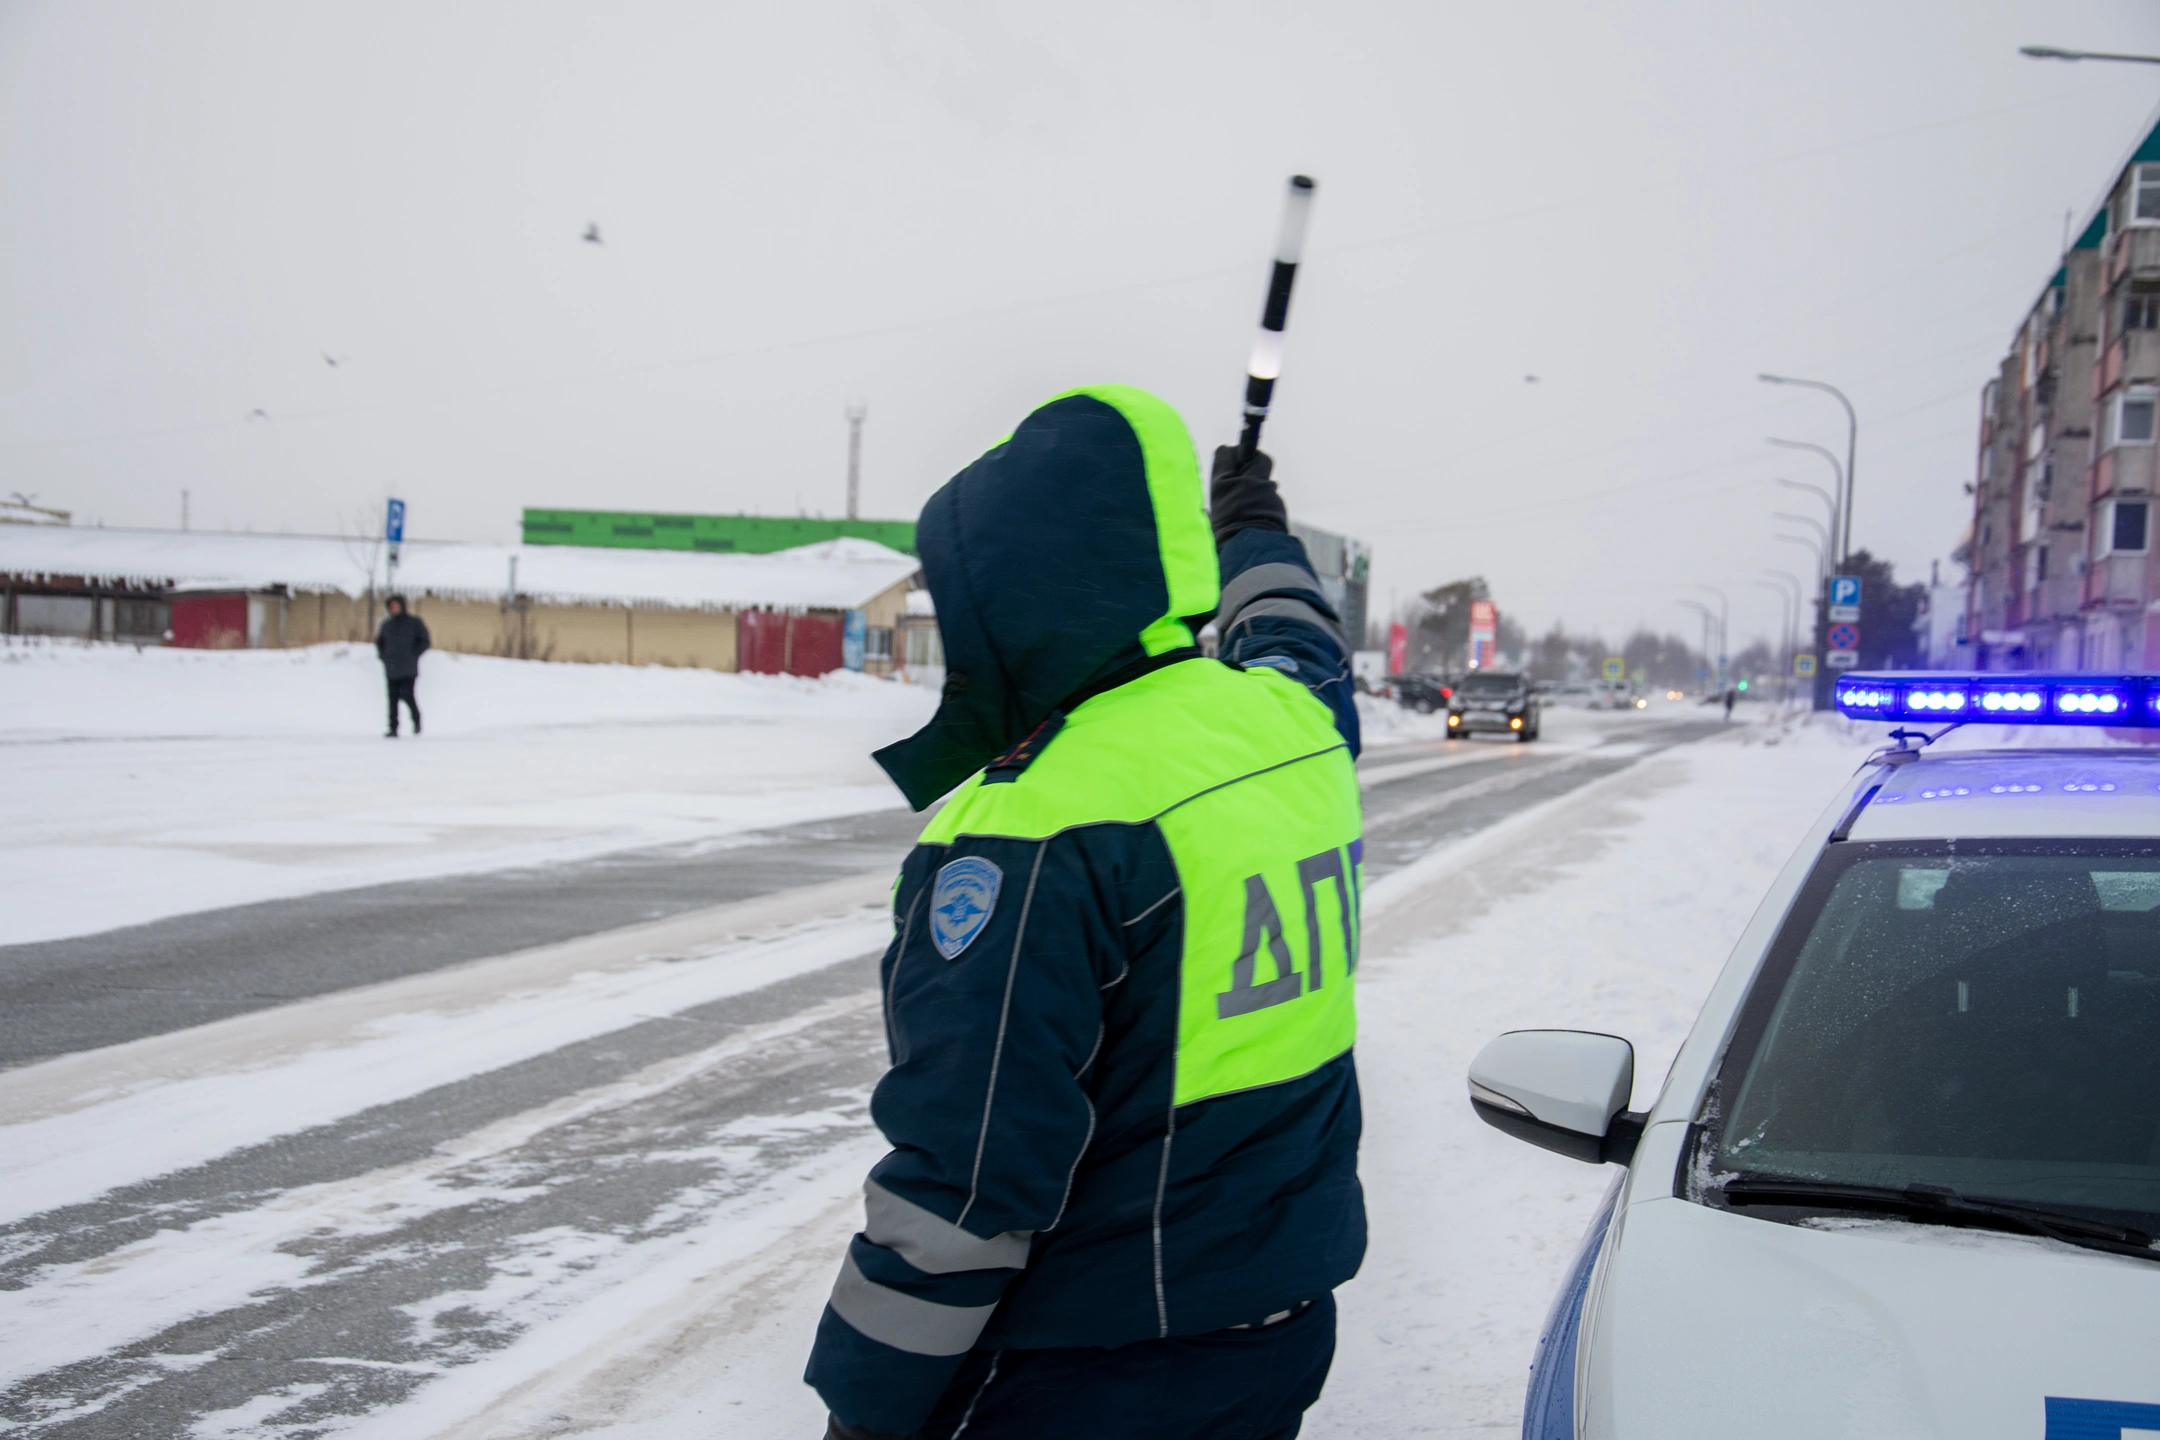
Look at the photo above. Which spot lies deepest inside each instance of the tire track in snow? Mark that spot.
(424, 1267)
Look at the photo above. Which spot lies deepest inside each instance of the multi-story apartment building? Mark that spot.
(2061, 551)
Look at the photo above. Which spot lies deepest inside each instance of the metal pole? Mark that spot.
(1822, 535)
(1724, 636)
(856, 411)
(1707, 616)
(1852, 446)
(1818, 492)
(1844, 490)
(1785, 609)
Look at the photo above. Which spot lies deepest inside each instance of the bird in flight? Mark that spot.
(333, 361)
(592, 233)
(258, 413)
(1529, 379)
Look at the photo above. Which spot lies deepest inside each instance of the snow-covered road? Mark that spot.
(598, 1186)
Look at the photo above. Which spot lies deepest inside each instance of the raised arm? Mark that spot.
(1273, 611)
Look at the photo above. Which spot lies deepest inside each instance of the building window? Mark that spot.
(2040, 564)
(2141, 312)
(923, 647)
(877, 642)
(2123, 529)
(2145, 195)
(2131, 421)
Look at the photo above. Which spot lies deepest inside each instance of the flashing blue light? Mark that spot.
(2041, 699)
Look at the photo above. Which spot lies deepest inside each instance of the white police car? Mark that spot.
(1904, 1176)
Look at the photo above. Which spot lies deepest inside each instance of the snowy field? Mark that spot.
(139, 784)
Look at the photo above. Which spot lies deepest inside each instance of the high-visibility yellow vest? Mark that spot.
(1255, 794)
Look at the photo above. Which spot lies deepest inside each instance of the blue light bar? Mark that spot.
(2034, 699)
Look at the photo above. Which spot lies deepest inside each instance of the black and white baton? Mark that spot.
(1266, 364)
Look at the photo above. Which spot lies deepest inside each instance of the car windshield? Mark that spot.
(1478, 687)
(1983, 1017)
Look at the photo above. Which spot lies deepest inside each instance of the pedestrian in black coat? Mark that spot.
(400, 643)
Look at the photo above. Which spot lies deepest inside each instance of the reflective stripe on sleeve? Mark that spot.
(1289, 608)
(920, 1327)
(1246, 585)
(932, 1245)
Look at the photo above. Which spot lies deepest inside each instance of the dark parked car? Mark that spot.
(1494, 702)
(1421, 693)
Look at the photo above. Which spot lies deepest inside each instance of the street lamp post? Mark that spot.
(1822, 612)
(1828, 499)
(1852, 445)
(1785, 609)
(1799, 599)
(1709, 617)
(1724, 639)
(1822, 536)
(1839, 515)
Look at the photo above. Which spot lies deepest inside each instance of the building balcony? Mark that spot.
(2140, 364)
(2134, 251)
(2117, 580)
(2109, 372)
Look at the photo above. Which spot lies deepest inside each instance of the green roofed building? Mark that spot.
(723, 534)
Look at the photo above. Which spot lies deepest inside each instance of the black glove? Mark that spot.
(834, 1430)
(1244, 498)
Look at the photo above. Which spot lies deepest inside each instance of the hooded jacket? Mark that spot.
(1122, 1101)
(400, 641)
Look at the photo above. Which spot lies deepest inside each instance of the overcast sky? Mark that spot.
(954, 210)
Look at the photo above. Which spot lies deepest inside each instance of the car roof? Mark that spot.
(2093, 793)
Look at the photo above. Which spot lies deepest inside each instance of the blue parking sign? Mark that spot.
(1845, 590)
(394, 523)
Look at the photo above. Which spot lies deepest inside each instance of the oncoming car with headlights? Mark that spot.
(1494, 702)
(1903, 1177)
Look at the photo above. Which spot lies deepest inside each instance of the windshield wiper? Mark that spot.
(1939, 1205)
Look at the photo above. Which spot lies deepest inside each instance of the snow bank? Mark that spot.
(136, 785)
(834, 574)
(58, 689)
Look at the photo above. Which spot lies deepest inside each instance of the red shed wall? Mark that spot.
(210, 622)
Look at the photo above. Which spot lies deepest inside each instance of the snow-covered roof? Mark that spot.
(920, 604)
(839, 574)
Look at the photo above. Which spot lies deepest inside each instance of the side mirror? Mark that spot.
(1566, 1090)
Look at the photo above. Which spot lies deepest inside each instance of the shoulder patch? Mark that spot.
(960, 904)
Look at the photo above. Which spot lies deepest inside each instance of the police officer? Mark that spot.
(1122, 1103)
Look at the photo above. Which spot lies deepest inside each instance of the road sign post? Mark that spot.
(394, 533)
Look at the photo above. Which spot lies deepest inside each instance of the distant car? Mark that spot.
(1904, 1176)
(1616, 695)
(1495, 702)
(1421, 693)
